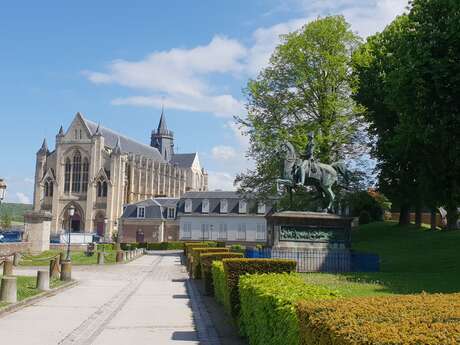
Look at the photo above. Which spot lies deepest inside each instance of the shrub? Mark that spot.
(218, 280)
(206, 264)
(268, 315)
(364, 218)
(165, 246)
(409, 320)
(237, 248)
(189, 245)
(105, 247)
(196, 263)
(234, 268)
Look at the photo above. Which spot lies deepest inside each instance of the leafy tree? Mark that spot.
(306, 87)
(5, 221)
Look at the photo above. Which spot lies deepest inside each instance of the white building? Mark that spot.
(222, 216)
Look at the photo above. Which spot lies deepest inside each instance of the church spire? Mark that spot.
(162, 128)
(117, 148)
(163, 138)
(44, 149)
(61, 132)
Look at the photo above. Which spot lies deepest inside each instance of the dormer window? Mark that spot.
(242, 205)
(223, 206)
(188, 206)
(140, 212)
(261, 208)
(205, 206)
(171, 213)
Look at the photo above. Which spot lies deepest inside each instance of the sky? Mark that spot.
(118, 62)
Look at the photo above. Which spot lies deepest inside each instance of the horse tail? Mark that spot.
(341, 168)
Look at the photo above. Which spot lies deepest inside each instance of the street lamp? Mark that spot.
(105, 228)
(71, 213)
(2, 189)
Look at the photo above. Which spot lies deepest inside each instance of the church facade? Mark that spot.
(98, 171)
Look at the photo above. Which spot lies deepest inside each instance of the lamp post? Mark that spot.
(71, 213)
(105, 228)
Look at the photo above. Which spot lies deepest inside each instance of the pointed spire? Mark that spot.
(162, 128)
(61, 132)
(117, 148)
(44, 148)
(98, 130)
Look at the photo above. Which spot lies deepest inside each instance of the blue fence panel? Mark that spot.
(365, 262)
(252, 253)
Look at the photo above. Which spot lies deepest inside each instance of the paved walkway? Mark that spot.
(148, 301)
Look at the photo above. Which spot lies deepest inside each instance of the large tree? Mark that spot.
(306, 87)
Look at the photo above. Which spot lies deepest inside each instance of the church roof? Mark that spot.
(126, 144)
(184, 160)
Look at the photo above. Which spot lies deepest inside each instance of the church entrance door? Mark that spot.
(100, 228)
(76, 223)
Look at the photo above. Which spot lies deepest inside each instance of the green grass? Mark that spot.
(26, 287)
(412, 260)
(77, 258)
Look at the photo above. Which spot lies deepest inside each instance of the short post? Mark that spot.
(43, 281)
(119, 257)
(7, 268)
(61, 257)
(9, 290)
(131, 254)
(16, 259)
(54, 271)
(66, 270)
(100, 258)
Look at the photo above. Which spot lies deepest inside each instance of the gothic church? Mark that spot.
(98, 171)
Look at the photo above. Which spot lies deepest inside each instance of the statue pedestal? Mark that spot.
(319, 242)
(37, 229)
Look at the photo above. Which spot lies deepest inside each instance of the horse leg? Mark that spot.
(331, 196)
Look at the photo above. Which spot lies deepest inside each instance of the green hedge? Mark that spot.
(268, 314)
(195, 272)
(105, 247)
(218, 280)
(189, 245)
(234, 268)
(165, 246)
(131, 246)
(206, 260)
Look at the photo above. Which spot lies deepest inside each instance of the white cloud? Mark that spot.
(220, 180)
(29, 180)
(223, 152)
(22, 198)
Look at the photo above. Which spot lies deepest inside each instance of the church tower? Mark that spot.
(163, 139)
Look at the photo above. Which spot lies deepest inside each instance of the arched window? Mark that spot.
(104, 189)
(76, 173)
(68, 169)
(84, 177)
(46, 189)
(50, 188)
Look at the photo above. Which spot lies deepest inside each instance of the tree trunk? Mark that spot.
(433, 218)
(452, 215)
(418, 215)
(404, 215)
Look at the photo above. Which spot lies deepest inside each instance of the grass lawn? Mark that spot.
(26, 287)
(78, 258)
(412, 260)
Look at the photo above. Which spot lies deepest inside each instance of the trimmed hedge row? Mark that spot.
(206, 260)
(218, 280)
(173, 245)
(409, 320)
(234, 268)
(188, 245)
(268, 315)
(105, 247)
(195, 271)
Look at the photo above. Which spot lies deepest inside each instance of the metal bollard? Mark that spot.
(9, 290)
(66, 270)
(7, 268)
(100, 258)
(16, 259)
(43, 281)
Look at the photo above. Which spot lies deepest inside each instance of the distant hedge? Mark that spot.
(188, 245)
(105, 247)
(206, 260)
(397, 320)
(195, 271)
(268, 315)
(165, 246)
(234, 268)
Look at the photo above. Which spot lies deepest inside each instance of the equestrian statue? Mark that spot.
(304, 171)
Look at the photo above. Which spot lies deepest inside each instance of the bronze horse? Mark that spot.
(303, 173)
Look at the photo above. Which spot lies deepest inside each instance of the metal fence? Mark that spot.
(321, 260)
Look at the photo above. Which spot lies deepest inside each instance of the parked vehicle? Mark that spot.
(11, 236)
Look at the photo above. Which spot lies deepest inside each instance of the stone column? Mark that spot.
(43, 281)
(8, 290)
(38, 228)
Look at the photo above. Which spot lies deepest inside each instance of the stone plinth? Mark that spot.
(37, 229)
(309, 230)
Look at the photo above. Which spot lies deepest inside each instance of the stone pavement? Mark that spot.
(148, 301)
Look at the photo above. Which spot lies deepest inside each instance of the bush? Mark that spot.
(105, 247)
(364, 218)
(195, 271)
(268, 315)
(165, 246)
(237, 248)
(206, 268)
(234, 268)
(188, 245)
(218, 280)
(409, 320)
(372, 202)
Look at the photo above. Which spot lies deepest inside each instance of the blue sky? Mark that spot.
(116, 62)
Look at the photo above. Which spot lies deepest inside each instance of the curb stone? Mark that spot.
(31, 300)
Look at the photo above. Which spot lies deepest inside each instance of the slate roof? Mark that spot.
(215, 197)
(127, 145)
(154, 208)
(184, 160)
